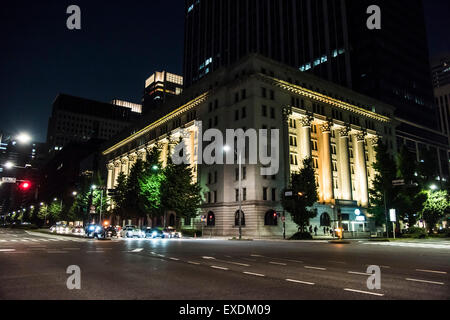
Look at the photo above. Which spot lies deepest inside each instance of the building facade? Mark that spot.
(160, 87)
(76, 119)
(338, 128)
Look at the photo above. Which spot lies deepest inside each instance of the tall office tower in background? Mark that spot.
(160, 87)
(330, 39)
(440, 69)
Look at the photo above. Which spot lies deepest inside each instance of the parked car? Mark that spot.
(95, 231)
(78, 230)
(53, 228)
(132, 232)
(111, 232)
(172, 232)
(63, 228)
(154, 233)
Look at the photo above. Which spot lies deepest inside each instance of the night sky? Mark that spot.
(121, 43)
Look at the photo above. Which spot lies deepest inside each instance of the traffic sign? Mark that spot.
(9, 180)
(398, 182)
(393, 215)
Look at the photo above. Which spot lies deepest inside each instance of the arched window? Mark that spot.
(211, 219)
(325, 220)
(172, 220)
(236, 219)
(271, 218)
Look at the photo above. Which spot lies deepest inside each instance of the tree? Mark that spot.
(54, 211)
(386, 172)
(150, 185)
(119, 197)
(436, 207)
(179, 192)
(133, 204)
(304, 189)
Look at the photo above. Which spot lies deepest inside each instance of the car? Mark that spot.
(95, 231)
(62, 229)
(132, 232)
(154, 233)
(53, 228)
(111, 232)
(78, 230)
(172, 232)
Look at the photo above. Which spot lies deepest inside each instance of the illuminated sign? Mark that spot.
(360, 218)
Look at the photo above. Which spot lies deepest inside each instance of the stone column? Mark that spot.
(125, 168)
(117, 170)
(132, 160)
(142, 155)
(346, 176)
(361, 168)
(110, 181)
(327, 169)
(306, 137)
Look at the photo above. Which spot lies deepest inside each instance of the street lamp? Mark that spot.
(74, 193)
(9, 165)
(24, 138)
(227, 149)
(433, 187)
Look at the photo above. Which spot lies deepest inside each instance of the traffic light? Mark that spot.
(25, 185)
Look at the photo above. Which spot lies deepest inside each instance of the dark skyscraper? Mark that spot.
(326, 37)
(331, 39)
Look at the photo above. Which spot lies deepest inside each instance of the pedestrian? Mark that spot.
(310, 229)
(315, 230)
(331, 231)
(324, 231)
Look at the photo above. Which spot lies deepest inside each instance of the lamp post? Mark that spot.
(239, 154)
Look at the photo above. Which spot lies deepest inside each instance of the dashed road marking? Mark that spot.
(7, 250)
(220, 268)
(431, 271)
(174, 259)
(137, 250)
(425, 281)
(359, 273)
(254, 274)
(301, 282)
(365, 292)
(278, 263)
(315, 268)
(194, 263)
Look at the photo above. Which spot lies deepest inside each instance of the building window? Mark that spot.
(236, 97)
(243, 94)
(272, 95)
(272, 113)
(264, 92)
(274, 194)
(264, 111)
(215, 196)
(236, 218)
(271, 218)
(265, 194)
(236, 115)
(244, 112)
(211, 219)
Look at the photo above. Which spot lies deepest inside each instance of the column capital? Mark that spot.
(361, 136)
(287, 112)
(141, 154)
(124, 160)
(117, 163)
(326, 127)
(110, 166)
(132, 157)
(345, 132)
(306, 122)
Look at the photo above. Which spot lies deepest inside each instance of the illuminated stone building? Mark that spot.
(335, 126)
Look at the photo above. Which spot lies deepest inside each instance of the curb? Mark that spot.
(339, 242)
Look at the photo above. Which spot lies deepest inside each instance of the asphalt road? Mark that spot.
(33, 266)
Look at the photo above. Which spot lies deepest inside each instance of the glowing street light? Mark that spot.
(93, 187)
(24, 138)
(433, 187)
(9, 165)
(74, 193)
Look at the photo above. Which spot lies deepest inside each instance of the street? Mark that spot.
(33, 266)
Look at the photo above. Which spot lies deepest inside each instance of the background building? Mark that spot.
(335, 126)
(160, 87)
(77, 119)
(328, 38)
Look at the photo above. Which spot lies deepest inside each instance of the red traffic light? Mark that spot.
(25, 185)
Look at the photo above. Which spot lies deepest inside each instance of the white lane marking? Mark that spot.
(315, 268)
(2, 240)
(174, 259)
(161, 255)
(359, 273)
(254, 274)
(256, 255)
(137, 250)
(237, 263)
(7, 250)
(56, 251)
(296, 261)
(220, 268)
(365, 292)
(301, 282)
(278, 263)
(24, 240)
(97, 251)
(431, 271)
(14, 240)
(209, 258)
(425, 281)
(193, 262)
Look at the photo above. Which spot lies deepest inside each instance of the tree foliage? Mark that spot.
(303, 186)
